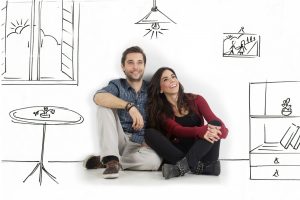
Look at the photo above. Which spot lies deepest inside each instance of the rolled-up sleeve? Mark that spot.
(111, 88)
(208, 115)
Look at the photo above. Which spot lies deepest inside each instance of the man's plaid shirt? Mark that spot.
(120, 88)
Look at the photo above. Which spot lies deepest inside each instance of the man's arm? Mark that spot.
(108, 100)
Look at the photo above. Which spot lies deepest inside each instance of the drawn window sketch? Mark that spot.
(274, 130)
(45, 116)
(241, 44)
(155, 18)
(39, 42)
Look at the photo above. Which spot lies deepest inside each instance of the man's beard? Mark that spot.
(133, 79)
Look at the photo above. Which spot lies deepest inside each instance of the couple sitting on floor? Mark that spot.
(148, 126)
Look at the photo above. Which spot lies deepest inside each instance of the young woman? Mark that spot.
(177, 130)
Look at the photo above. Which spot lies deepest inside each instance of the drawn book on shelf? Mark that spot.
(291, 137)
(296, 141)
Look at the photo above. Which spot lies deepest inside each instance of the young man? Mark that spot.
(122, 120)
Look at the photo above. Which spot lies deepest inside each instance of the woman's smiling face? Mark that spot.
(169, 83)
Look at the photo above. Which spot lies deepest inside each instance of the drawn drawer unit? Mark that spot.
(274, 123)
(282, 165)
(275, 172)
(275, 159)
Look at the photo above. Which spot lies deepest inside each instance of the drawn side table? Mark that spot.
(45, 115)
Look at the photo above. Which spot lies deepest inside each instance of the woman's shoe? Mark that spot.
(179, 169)
(208, 168)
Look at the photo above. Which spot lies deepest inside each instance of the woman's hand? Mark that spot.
(213, 133)
(137, 118)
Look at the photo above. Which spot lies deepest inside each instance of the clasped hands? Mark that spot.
(213, 133)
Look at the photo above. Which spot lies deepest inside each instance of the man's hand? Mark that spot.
(137, 119)
(213, 133)
(145, 145)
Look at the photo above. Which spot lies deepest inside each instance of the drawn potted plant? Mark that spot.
(45, 112)
(287, 109)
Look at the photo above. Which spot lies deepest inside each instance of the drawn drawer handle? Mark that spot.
(276, 173)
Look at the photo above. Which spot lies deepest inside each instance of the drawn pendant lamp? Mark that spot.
(155, 18)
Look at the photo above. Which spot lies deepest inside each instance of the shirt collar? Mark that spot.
(143, 88)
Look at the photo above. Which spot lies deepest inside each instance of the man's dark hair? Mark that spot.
(134, 49)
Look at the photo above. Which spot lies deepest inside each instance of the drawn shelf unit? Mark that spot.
(39, 42)
(274, 120)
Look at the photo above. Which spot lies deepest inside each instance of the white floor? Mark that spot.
(75, 182)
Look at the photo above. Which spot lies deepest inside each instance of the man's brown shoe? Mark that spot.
(93, 162)
(112, 169)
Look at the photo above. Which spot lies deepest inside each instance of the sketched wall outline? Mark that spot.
(273, 135)
(45, 47)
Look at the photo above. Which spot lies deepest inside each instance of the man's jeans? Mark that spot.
(115, 142)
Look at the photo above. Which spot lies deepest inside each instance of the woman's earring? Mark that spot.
(161, 91)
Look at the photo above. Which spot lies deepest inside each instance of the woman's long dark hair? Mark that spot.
(158, 105)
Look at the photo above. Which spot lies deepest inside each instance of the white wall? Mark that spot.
(193, 47)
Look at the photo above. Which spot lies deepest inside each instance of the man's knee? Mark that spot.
(103, 110)
(150, 160)
(107, 115)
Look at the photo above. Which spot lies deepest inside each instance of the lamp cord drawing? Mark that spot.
(155, 17)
